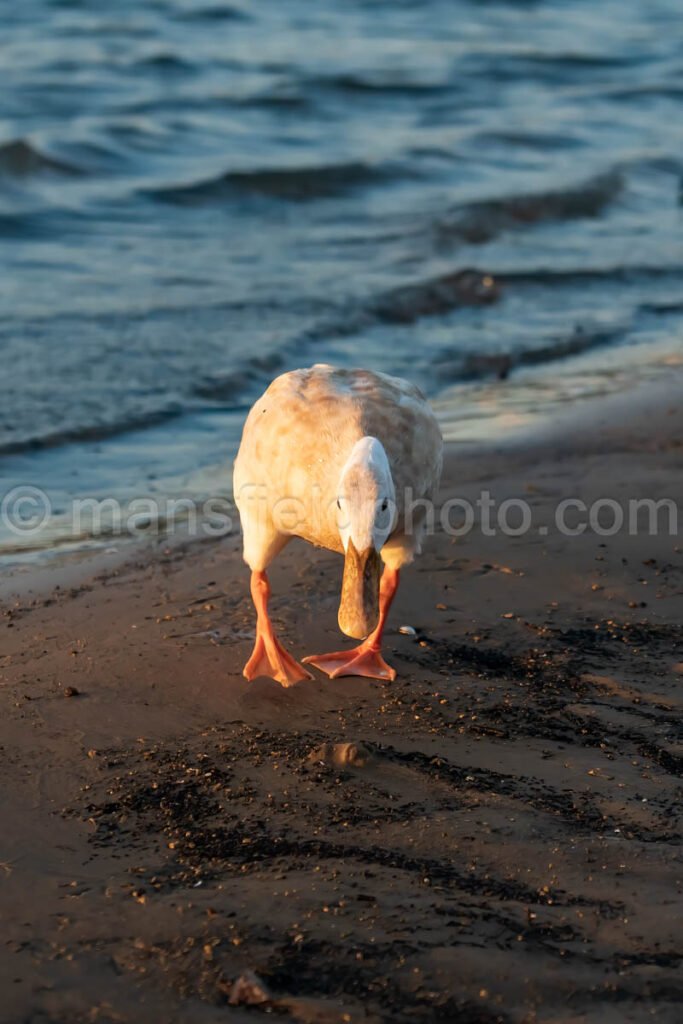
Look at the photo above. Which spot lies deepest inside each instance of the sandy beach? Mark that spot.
(494, 837)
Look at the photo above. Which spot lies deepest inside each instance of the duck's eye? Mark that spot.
(385, 505)
(339, 504)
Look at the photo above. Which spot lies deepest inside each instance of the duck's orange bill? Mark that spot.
(359, 605)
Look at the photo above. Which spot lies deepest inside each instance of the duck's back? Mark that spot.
(298, 435)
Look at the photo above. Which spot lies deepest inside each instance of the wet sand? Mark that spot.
(492, 838)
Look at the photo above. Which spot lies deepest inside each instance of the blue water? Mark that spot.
(195, 196)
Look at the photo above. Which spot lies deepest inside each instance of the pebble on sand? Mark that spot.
(249, 990)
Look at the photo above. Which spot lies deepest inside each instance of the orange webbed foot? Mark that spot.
(360, 661)
(269, 658)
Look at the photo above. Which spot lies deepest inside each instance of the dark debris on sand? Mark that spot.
(311, 861)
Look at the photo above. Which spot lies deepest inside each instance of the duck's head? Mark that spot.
(366, 515)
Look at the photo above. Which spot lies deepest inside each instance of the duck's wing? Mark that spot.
(294, 445)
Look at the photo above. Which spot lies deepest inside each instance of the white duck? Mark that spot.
(339, 458)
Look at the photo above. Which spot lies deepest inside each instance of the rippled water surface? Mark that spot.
(197, 195)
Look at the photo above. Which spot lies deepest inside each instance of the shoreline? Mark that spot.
(494, 836)
(473, 418)
(67, 566)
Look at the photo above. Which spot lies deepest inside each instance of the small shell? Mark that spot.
(356, 755)
(407, 630)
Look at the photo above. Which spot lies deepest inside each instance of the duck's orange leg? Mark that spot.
(366, 659)
(269, 658)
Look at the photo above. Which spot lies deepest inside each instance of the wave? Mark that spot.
(543, 68)
(22, 225)
(40, 222)
(544, 141)
(241, 381)
(437, 296)
(276, 99)
(92, 432)
(213, 12)
(406, 304)
(661, 308)
(645, 90)
(616, 274)
(164, 61)
(440, 295)
(355, 83)
(22, 158)
(458, 366)
(575, 59)
(479, 222)
(293, 183)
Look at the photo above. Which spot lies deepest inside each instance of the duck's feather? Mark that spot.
(298, 436)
